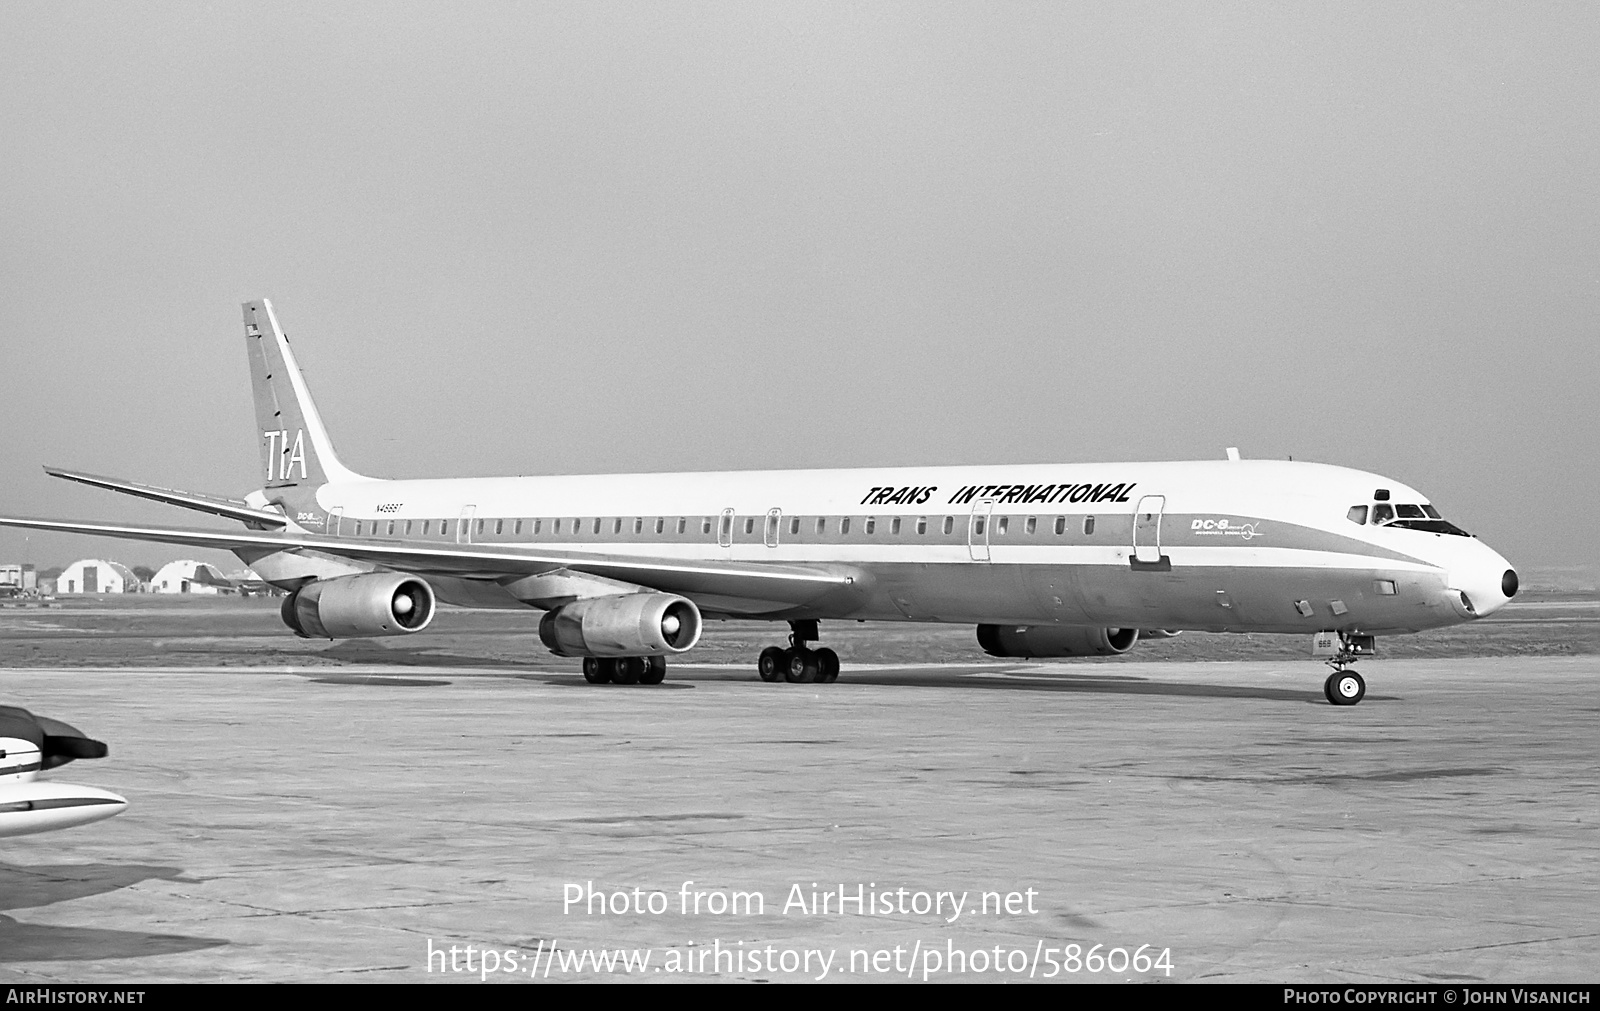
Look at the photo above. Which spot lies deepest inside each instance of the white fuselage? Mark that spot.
(1221, 545)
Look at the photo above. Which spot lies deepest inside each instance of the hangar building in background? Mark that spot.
(96, 575)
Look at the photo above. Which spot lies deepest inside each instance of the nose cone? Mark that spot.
(1482, 586)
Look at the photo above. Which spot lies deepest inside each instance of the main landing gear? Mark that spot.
(798, 664)
(1344, 686)
(624, 670)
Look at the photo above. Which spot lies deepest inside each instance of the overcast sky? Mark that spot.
(555, 238)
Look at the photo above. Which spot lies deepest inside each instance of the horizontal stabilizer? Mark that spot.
(214, 504)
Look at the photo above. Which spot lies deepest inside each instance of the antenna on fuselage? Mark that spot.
(1233, 453)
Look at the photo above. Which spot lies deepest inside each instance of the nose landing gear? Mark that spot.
(1344, 687)
(798, 664)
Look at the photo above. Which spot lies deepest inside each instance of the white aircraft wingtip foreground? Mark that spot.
(1047, 560)
(30, 744)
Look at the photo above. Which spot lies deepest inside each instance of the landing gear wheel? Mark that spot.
(827, 666)
(803, 667)
(629, 670)
(771, 664)
(1344, 688)
(655, 671)
(597, 671)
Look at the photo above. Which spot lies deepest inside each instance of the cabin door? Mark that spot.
(978, 529)
(464, 534)
(1147, 528)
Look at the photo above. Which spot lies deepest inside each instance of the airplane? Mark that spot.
(1046, 560)
(30, 743)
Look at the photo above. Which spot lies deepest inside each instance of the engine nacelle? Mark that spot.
(355, 607)
(628, 624)
(1050, 641)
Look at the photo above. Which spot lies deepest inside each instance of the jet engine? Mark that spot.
(1049, 640)
(353, 607)
(628, 624)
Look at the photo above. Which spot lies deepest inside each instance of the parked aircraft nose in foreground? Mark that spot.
(30, 744)
(1046, 560)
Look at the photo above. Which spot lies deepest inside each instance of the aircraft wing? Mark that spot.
(501, 562)
(230, 508)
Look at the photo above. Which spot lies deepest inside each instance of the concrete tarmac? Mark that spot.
(317, 824)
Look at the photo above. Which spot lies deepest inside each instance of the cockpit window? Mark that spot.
(1415, 517)
(1357, 514)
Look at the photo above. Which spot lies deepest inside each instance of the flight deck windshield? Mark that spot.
(1422, 517)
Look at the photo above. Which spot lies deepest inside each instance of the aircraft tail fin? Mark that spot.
(296, 454)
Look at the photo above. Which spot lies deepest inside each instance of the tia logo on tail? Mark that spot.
(285, 459)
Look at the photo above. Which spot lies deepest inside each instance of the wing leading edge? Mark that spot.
(797, 584)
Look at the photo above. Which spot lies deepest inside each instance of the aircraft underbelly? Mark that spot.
(1207, 598)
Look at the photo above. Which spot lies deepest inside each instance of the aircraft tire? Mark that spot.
(629, 670)
(772, 664)
(597, 671)
(655, 671)
(802, 668)
(827, 666)
(1344, 688)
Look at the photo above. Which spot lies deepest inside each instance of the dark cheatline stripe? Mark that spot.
(54, 802)
(22, 768)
